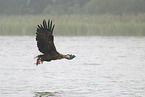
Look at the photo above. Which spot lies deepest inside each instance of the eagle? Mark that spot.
(45, 44)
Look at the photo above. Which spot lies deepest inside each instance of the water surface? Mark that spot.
(104, 67)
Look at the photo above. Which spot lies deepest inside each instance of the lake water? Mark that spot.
(103, 67)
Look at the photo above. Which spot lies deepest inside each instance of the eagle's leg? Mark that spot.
(38, 61)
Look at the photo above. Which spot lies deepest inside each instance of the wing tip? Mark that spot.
(46, 25)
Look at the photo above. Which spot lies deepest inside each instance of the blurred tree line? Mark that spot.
(119, 7)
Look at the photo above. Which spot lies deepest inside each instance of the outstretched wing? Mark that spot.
(44, 37)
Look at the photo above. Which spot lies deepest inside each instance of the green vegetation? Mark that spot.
(117, 7)
(116, 25)
(74, 17)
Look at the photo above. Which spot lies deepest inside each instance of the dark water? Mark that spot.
(104, 67)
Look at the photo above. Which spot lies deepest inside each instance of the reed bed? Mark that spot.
(76, 25)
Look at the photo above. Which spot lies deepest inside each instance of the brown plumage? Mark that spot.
(45, 44)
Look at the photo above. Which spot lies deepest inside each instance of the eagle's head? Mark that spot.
(69, 56)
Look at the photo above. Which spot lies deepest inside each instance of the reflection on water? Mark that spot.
(103, 67)
(46, 94)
